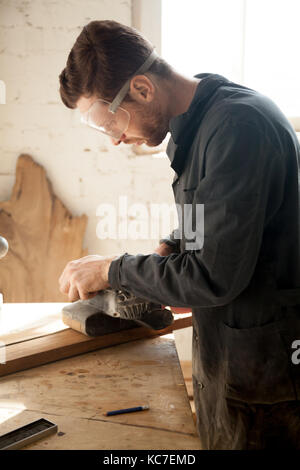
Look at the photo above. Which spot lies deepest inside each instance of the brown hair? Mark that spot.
(104, 56)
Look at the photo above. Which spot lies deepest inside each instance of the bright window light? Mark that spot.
(10, 409)
(251, 42)
(25, 319)
(272, 58)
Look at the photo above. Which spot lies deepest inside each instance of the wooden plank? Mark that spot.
(189, 388)
(76, 392)
(69, 343)
(187, 369)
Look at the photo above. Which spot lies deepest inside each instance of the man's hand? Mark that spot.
(84, 277)
(164, 250)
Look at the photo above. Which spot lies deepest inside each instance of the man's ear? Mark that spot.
(142, 89)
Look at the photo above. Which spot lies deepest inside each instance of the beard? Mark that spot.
(153, 123)
(155, 128)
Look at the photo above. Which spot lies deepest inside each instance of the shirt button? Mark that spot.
(200, 385)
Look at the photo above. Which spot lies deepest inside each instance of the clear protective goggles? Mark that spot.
(110, 118)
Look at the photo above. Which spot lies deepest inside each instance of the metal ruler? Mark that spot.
(25, 435)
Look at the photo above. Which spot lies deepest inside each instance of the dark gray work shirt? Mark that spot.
(235, 152)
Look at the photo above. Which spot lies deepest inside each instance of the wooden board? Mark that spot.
(42, 234)
(187, 371)
(59, 345)
(75, 393)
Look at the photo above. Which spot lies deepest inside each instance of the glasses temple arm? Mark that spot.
(124, 90)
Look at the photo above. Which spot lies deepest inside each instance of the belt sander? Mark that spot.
(114, 310)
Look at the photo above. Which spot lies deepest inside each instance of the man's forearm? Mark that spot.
(174, 280)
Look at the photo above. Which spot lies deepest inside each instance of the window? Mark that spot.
(252, 42)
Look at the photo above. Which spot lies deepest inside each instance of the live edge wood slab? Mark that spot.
(63, 344)
(36, 223)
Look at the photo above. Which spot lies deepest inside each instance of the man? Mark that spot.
(233, 151)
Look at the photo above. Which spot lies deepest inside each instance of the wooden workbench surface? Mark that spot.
(74, 393)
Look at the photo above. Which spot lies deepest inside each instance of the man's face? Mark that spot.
(148, 124)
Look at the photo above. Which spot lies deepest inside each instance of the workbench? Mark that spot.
(75, 393)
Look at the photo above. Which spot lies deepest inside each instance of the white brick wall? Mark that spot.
(85, 169)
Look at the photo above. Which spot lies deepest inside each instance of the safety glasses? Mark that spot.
(110, 118)
(100, 117)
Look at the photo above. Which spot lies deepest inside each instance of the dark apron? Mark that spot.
(241, 387)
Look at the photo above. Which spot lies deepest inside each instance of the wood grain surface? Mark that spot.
(66, 343)
(42, 234)
(76, 392)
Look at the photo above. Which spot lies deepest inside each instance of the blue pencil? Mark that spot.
(127, 410)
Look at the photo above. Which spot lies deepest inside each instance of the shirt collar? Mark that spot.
(184, 126)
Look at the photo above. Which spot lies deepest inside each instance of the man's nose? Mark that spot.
(115, 141)
(118, 141)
